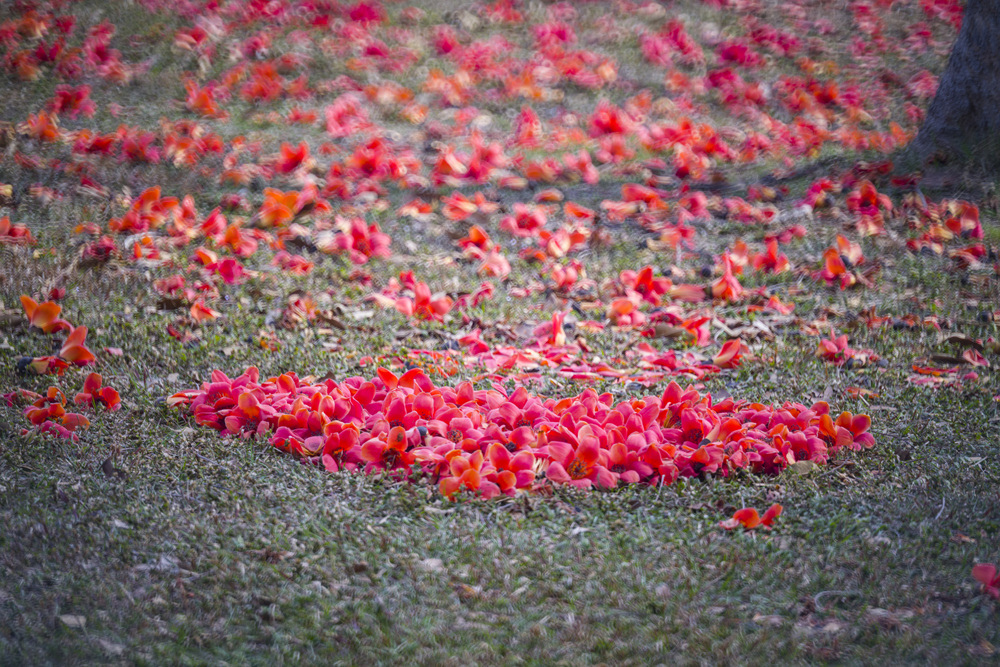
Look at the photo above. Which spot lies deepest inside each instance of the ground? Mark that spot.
(150, 537)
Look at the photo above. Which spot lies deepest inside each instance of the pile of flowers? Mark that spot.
(47, 412)
(493, 442)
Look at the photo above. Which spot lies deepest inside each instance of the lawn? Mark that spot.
(500, 241)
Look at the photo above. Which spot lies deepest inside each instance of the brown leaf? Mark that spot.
(803, 467)
(110, 470)
(663, 330)
(962, 340)
(948, 360)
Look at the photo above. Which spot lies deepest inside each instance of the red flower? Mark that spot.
(45, 316)
(14, 234)
(771, 261)
(468, 472)
(73, 349)
(293, 157)
(986, 574)
(94, 394)
(423, 305)
(727, 287)
(526, 220)
(577, 460)
(362, 241)
(202, 313)
(512, 471)
(729, 355)
(389, 451)
(749, 519)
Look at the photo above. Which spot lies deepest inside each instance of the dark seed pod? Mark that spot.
(22, 365)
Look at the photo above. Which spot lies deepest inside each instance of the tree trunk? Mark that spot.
(962, 127)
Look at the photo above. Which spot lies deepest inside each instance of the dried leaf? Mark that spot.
(803, 467)
(73, 621)
(110, 470)
(962, 340)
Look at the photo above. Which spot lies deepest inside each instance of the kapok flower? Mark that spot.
(494, 264)
(362, 241)
(771, 261)
(749, 519)
(577, 460)
(278, 208)
(388, 452)
(857, 426)
(525, 221)
(552, 333)
(202, 313)
(458, 207)
(94, 394)
(293, 157)
(45, 316)
(729, 355)
(423, 305)
(14, 234)
(866, 200)
(48, 415)
(624, 460)
(468, 472)
(294, 264)
(229, 269)
(727, 287)
(74, 351)
(511, 471)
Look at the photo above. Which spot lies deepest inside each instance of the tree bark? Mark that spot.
(962, 127)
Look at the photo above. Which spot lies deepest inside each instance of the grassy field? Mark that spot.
(152, 540)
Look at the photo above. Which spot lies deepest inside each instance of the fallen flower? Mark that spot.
(94, 394)
(44, 316)
(749, 519)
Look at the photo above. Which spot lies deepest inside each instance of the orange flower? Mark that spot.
(14, 234)
(201, 313)
(729, 356)
(727, 288)
(74, 350)
(94, 394)
(749, 519)
(45, 316)
(494, 264)
(278, 208)
(43, 127)
(43, 365)
(469, 472)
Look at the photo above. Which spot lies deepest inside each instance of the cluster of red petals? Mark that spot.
(47, 414)
(836, 350)
(95, 394)
(11, 234)
(362, 241)
(45, 316)
(492, 442)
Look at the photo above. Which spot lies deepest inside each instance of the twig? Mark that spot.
(940, 511)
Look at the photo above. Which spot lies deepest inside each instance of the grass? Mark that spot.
(153, 541)
(208, 550)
